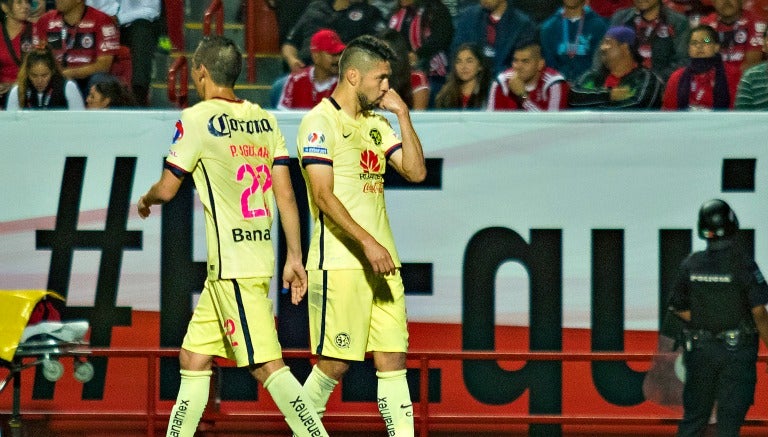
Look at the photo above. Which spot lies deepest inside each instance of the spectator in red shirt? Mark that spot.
(708, 82)
(758, 8)
(17, 40)
(41, 86)
(741, 34)
(606, 8)
(84, 39)
(529, 85)
(305, 88)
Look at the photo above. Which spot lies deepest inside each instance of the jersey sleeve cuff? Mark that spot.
(314, 160)
(393, 149)
(176, 170)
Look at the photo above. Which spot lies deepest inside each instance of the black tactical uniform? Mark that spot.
(717, 289)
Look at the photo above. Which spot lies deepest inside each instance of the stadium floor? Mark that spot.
(42, 428)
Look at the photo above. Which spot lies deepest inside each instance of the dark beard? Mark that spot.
(365, 104)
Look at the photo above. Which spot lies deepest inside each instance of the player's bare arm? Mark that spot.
(294, 275)
(321, 183)
(409, 162)
(161, 192)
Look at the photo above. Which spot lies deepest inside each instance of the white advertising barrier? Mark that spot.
(574, 172)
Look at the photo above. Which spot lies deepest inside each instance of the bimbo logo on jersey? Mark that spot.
(223, 125)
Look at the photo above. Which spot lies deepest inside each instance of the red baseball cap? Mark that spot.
(326, 40)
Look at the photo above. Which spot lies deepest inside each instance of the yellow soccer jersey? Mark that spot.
(230, 148)
(357, 149)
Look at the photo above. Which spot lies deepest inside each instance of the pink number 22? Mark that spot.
(261, 172)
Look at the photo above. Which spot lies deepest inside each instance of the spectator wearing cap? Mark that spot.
(307, 87)
(620, 81)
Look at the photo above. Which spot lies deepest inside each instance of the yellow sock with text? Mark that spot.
(294, 403)
(190, 403)
(394, 402)
(319, 387)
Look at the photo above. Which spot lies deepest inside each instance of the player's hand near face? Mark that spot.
(392, 102)
(295, 280)
(516, 85)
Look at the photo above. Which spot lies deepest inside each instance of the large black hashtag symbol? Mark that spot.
(65, 238)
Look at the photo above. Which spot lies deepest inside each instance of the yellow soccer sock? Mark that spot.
(190, 403)
(394, 402)
(319, 387)
(294, 403)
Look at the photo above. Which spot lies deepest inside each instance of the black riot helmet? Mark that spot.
(717, 220)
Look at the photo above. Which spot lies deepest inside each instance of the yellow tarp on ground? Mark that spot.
(15, 308)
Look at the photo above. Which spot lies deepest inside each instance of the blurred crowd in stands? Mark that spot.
(495, 55)
(75, 54)
(501, 55)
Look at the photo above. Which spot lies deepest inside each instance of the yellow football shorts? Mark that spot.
(352, 312)
(234, 319)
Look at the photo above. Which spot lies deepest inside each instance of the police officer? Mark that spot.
(720, 295)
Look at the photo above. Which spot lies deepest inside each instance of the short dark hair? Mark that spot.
(532, 45)
(713, 34)
(221, 57)
(362, 51)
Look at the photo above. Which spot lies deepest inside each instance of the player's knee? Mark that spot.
(262, 371)
(189, 360)
(389, 361)
(333, 368)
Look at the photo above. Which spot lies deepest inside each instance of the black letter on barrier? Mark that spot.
(486, 380)
(112, 241)
(674, 246)
(614, 380)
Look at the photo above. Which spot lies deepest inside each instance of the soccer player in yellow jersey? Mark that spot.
(238, 160)
(356, 295)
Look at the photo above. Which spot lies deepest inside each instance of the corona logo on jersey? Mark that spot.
(223, 125)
